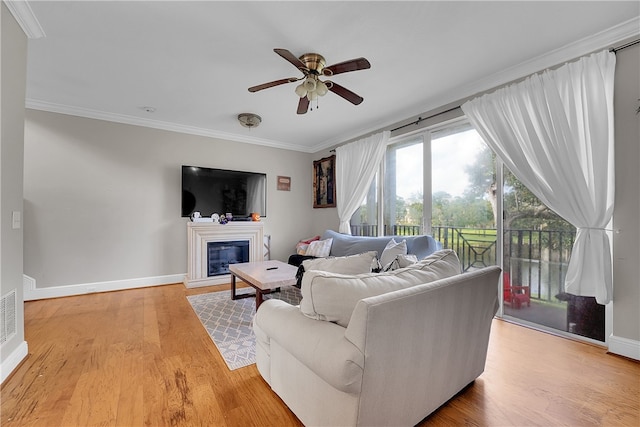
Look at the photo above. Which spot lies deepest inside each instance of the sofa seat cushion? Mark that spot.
(352, 264)
(332, 296)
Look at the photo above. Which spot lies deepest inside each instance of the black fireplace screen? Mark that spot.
(221, 254)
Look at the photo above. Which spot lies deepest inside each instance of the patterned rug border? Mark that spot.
(229, 323)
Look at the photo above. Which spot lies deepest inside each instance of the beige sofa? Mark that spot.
(384, 360)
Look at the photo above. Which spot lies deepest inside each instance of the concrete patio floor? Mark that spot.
(550, 315)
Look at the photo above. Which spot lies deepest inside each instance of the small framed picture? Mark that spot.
(324, 182)
(284, 183)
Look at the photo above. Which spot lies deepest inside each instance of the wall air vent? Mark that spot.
(8, 323)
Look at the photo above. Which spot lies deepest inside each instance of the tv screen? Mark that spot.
(221, 191)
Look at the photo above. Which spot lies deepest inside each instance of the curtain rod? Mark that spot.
(421, 119)
(624, 46)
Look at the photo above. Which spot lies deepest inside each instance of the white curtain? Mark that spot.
(356, 166)
(554, 131)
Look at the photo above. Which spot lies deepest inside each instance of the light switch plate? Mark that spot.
(16, 220)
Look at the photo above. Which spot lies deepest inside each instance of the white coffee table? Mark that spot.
(264, 276)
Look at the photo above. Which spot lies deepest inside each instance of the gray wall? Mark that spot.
(102, 200)
(13, 50)
(626, 217)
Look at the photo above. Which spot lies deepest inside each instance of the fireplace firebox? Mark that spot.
(222, 253)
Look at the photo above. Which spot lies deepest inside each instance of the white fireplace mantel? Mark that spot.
(201, 233)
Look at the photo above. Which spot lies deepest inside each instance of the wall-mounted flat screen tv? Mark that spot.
(222, 191)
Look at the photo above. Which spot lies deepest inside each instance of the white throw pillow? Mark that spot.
(332, 296)
(402, 261)
(391, 251)
(352, 264)
(319, 248)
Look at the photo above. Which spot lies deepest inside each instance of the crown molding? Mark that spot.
(27, 20)
(603, 40)
(51, 107)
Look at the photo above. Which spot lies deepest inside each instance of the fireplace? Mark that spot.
(221, 254)
(205, 268)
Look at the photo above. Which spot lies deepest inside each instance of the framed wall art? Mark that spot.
(324, 182)
(284, 183)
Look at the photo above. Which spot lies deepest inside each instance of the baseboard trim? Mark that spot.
(624, 347)
(32, 292)
(11, 363)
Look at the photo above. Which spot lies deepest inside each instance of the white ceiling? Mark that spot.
(194, 60)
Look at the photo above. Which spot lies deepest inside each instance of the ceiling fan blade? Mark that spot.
(345, 93)
(291, 58)
(272, 84)
(346, 66)
(303, 105)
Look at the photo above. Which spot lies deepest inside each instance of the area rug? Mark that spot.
(229, 322)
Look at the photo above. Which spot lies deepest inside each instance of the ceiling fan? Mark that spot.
(312, 66)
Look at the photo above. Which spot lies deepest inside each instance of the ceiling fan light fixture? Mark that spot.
(301, 91)
(249, 120)
(310, 84)
(321, 88)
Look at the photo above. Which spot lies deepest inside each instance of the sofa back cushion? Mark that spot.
(332, 296)
(352, 264)
(344, 244)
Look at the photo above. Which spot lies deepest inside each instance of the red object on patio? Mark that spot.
(515, 296)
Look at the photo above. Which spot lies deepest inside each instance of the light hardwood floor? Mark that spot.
(142, 358)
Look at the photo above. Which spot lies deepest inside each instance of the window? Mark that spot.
(463, 212)
(404, 187)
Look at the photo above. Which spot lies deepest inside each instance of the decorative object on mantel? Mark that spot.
(215, 218)
(255, 216)
(249, 120)
(324, 182)
(284, 183)
(196, 217)
(223, 220)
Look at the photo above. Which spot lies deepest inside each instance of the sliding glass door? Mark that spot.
(463, 196)
(404, 187)
(537, 247)
(444, 182)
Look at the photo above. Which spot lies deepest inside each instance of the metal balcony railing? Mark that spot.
(394, 230)
(534, 258)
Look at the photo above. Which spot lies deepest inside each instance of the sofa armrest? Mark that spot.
(321, 346)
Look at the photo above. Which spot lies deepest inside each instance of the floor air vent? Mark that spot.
(8, 316)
